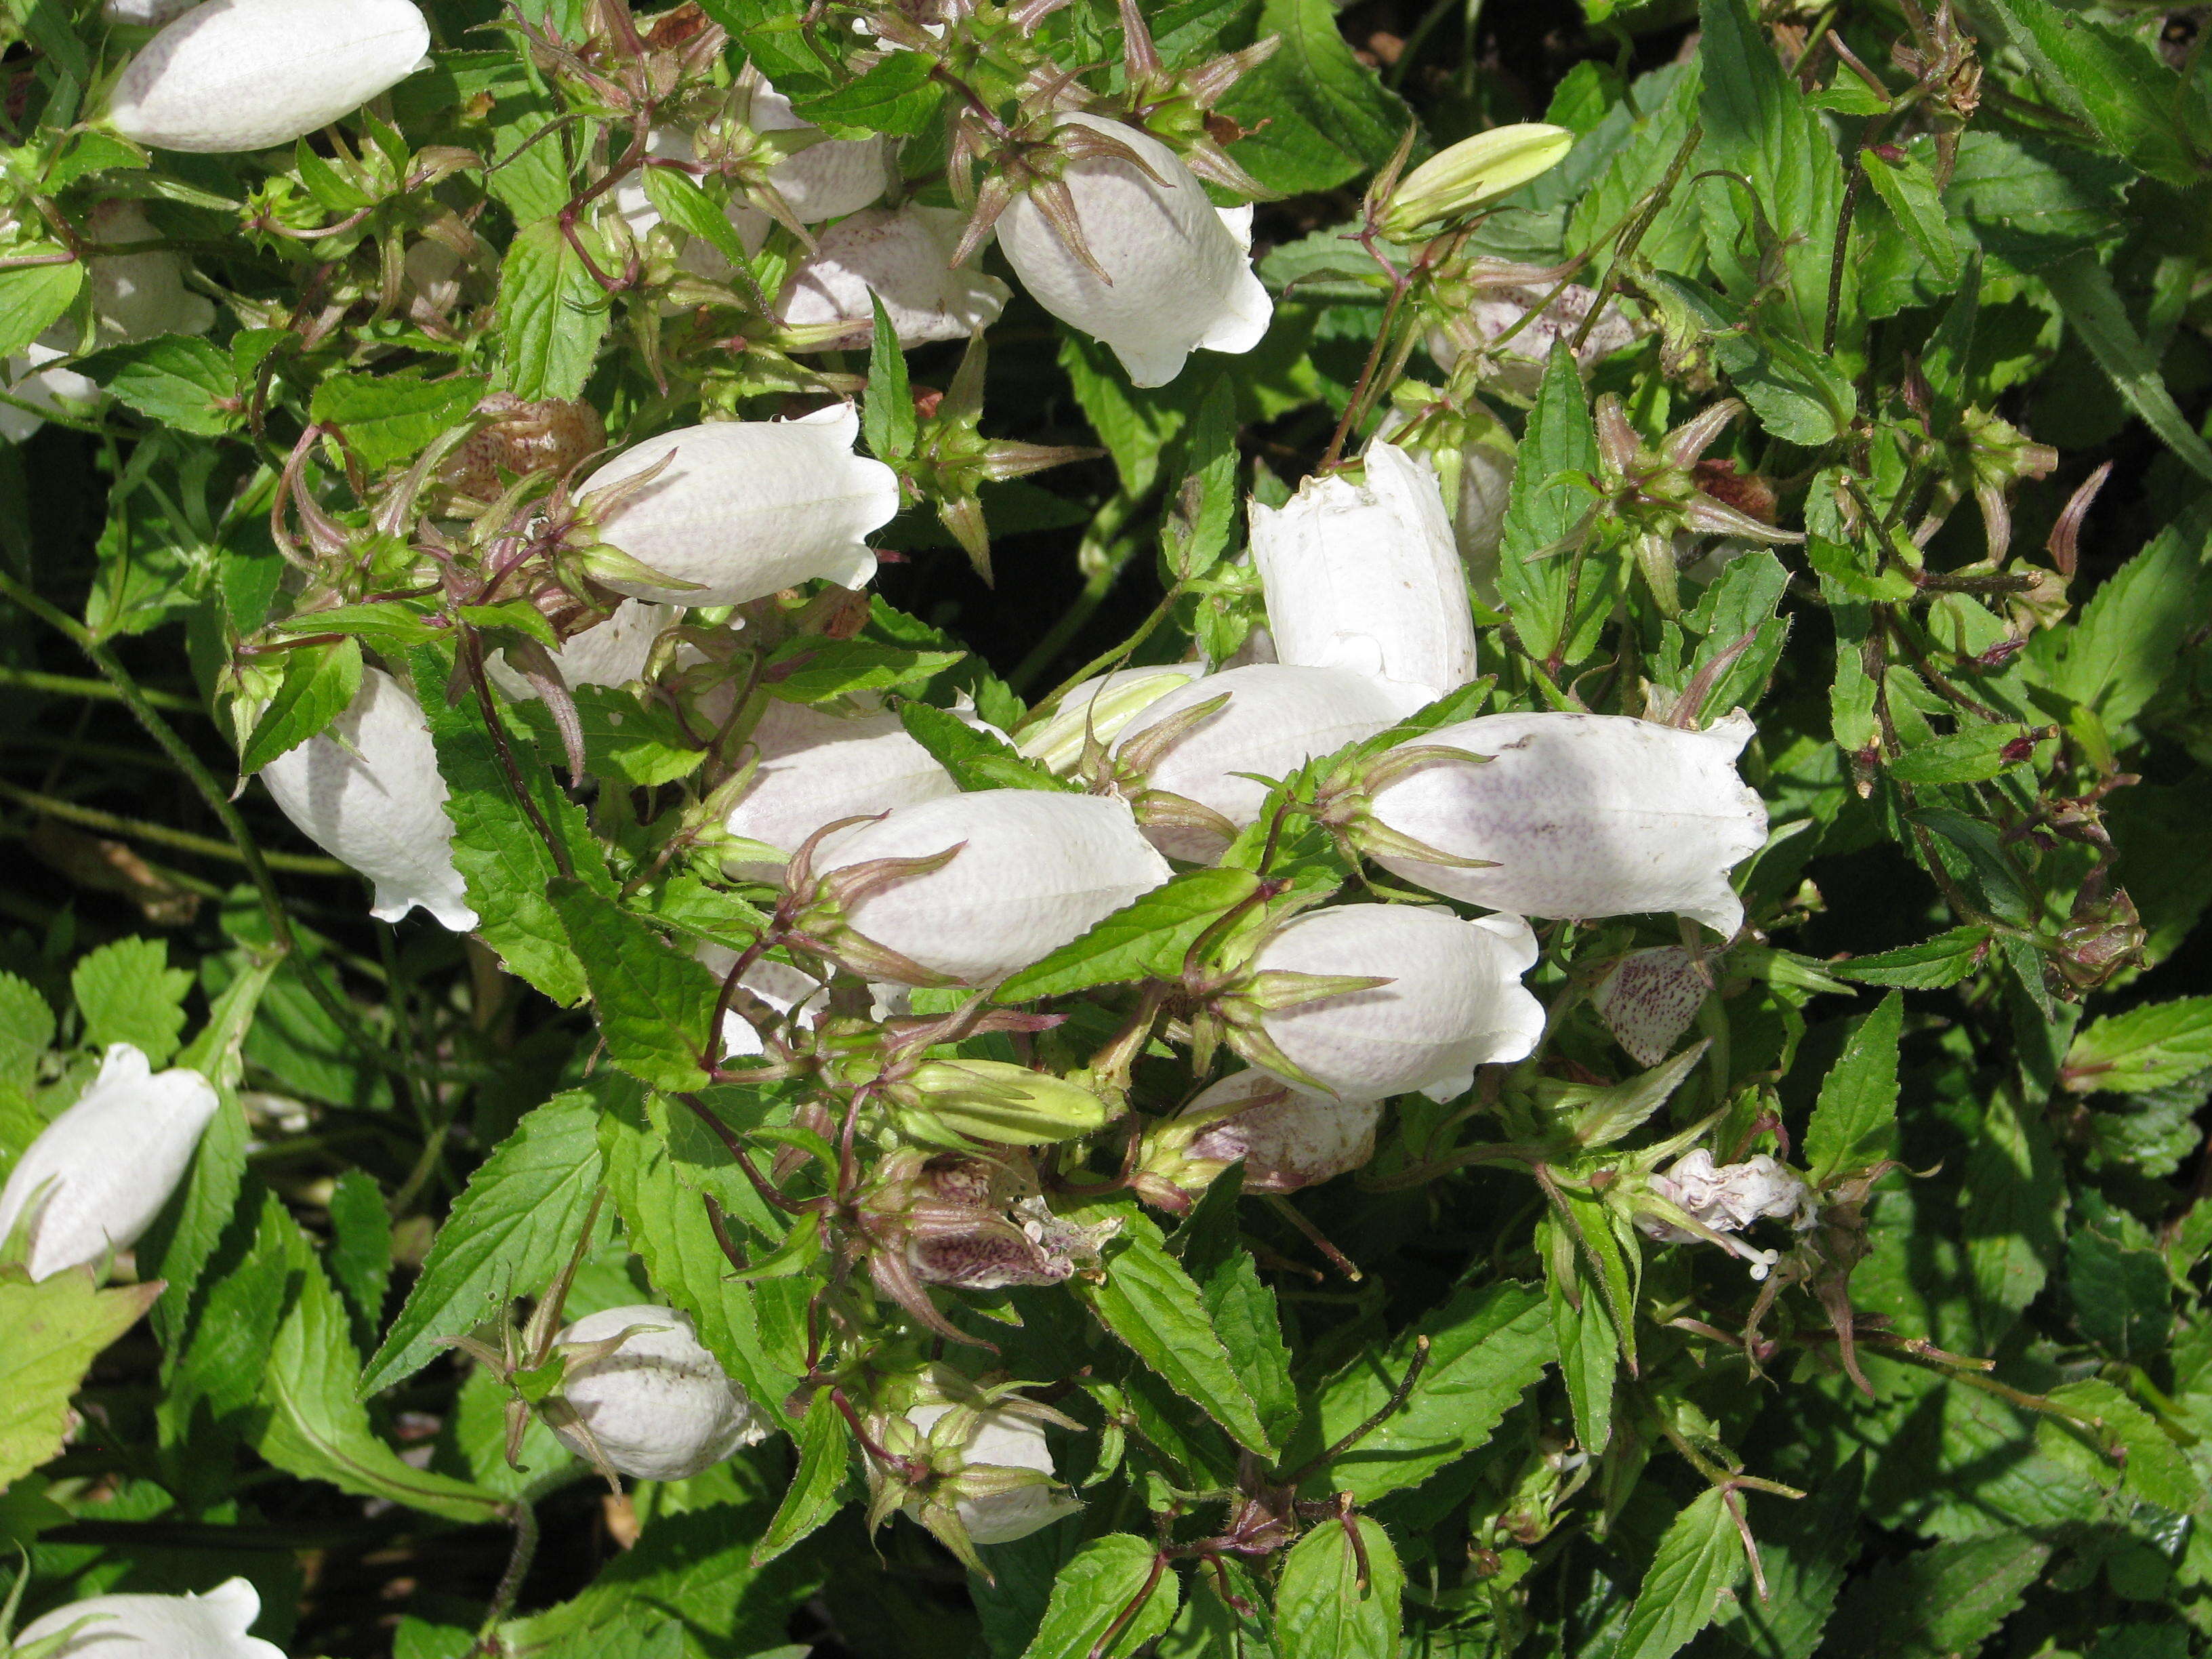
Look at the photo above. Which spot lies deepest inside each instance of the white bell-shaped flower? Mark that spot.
(1582, 815)
(139, 296)
(817, 767)
(97, 1175)
(1499, 304)
(658, 1407)
(902, 256)
(1181, 268)
(1650, 998)
(610, 652)
(1002, 1440)
(244, 75)
(209, 1626)
(1276, 719)
(34, 376)
(367, 793)
(825, 180)
(1367, 577)
(1035, 870)
(1287, 1137)
(1455, 1000)
(743, 508)
(1101, 707)
(145, 14)
(135, 296)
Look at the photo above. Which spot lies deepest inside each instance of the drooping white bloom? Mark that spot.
(1455, 1001)
(367, 793)
(34, 377)
(137, 296)
(1287, 1137)
(1180, 267)
(98, 1175)
(610, 652)
(658, 1407)
(1002, 1440)
(1367, 577)
(745, 507)
(817, 767)
(146, 14)
(1583, 815)
(1100, 707)
(209, 1626)
(903, 257)
(825, 180)
(1035, 870)
(1498, 303)
(1277, 718)
(1648, 1000)
(244, 75)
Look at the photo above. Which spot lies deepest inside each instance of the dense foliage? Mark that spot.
(612, 1044)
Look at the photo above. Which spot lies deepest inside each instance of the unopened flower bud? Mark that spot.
(1286, 1138)
(1178, 270)
(1275, 719)
(995, 1101)
(1032, 871)
(656, 1405)
(740, 509)
(1581, 815)
(1452, 1000)
(1453, 182)
(997, 1473)
(97, 1175)
(244, 75)
(209, 1626)
(903, 257)
(1367, 577)
(1101, 707)
(367, 793)
(817, 767)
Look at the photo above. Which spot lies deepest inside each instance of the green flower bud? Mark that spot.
(954, 1102)
(1476, 170)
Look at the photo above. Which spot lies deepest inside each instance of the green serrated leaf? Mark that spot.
(33, 298)
(552, 315)
(653, 1003)
(1854, 1120)
(50, 1334)
(1147, 938)
(816, 1485)
(1334, 1601)
(976, 758)
(511, 1230)
(896, 96)
(1700, 1557)
(126, 992)
(1150, 1303)
(180, 380)
(1486, 1347)
(388, 418)
(319, 684)
(1105, 1577)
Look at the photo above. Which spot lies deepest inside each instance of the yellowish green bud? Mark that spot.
(954, 1102)
(1476, 170)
